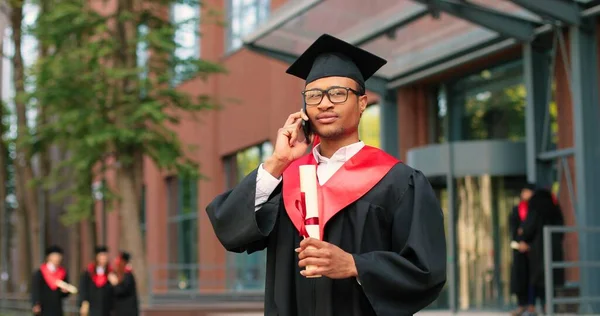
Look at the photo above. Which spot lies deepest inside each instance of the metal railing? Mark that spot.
(549, 266)
(19, 304)
(177, 285)
(194, 283)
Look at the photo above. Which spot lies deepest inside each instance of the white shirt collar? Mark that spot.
(51, 267)
(341, 155)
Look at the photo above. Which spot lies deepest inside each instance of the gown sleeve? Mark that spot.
(66, 279)
(235, 220)
(126, 287)
(83, 288)
(410, 276)
(36, 280)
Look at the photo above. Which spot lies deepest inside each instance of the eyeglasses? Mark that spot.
(335, 95)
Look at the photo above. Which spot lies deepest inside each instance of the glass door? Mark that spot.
(484, 257)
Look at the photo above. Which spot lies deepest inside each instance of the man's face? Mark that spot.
(55, 258)
(526, 194)
(102, 259)
(335, 120)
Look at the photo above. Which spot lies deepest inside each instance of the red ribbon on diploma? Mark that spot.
(307, 221)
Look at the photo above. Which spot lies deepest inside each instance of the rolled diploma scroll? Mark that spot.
(514, 245)
(308, 186)
(66, 286)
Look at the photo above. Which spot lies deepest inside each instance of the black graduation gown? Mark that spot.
(533, 234)
(395, 233)
(100, 298)
(50, 301)
(519, 273)
(126, 298)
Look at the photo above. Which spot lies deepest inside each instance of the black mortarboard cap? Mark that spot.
(53, 249)
(125, 256)
(329, 56)
(100, 249)
(530, 186)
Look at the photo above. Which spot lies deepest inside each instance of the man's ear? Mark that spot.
(362, 103)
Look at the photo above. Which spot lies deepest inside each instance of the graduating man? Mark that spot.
(382, 249)
(96, 293)
(46, 295)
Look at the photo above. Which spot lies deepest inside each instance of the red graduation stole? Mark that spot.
(118, 262)
(523, 210)
(52, 276)
(99, 279)
(354, 179)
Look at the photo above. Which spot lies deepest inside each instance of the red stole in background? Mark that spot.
(98, 279)
(52, 276)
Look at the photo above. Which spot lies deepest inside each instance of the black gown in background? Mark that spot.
(395, 233)
(519, 275)
(100, 298)
(125, 297)
(50, 301)
(543, 212)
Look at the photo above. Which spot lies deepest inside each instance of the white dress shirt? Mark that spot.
(266, 183)
(100, 270)
(51, 267)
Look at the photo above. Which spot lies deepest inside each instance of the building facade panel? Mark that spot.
(412, 117)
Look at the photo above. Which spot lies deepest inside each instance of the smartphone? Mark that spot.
(307, 128)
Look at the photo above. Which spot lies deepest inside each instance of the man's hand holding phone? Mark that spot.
(290, 145)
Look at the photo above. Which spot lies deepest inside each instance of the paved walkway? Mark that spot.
(428, 313)
(445, 313)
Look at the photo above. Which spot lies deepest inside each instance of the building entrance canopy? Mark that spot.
(414, 35)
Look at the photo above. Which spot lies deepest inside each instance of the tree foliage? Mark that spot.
(100, 103)
(106, 111)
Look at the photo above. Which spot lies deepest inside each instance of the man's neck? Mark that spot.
(328, 147)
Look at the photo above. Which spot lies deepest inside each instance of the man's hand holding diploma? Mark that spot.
(331, 261)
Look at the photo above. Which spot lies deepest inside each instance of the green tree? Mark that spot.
(370, 126)
(108, 112)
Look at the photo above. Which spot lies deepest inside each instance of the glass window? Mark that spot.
(440, 127)
(182, 228)
(370, 125)
(485, 105)
(246, 272)
(244, 16)
(186, 18)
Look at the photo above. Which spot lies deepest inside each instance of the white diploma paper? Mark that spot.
(308, 186)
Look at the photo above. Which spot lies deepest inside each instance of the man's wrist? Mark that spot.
(353, 269)
(275, 166)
